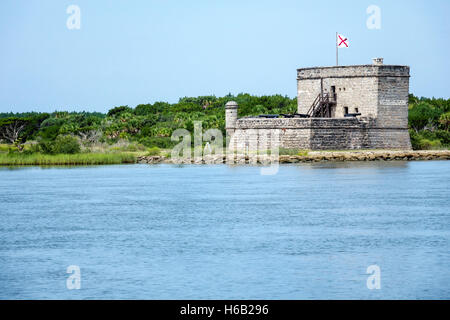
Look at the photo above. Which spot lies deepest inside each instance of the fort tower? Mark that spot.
(341, 107)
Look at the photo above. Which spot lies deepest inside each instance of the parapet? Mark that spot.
(360, 71)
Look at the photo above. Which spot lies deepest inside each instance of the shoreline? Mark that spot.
(240, 159)
(318, 156)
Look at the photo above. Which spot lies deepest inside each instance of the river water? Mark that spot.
(222, 232)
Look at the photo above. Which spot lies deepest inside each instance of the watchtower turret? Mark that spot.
(231, 114)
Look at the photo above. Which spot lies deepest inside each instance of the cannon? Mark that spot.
(352, 115)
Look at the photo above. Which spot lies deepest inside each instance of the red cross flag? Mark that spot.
(342, 41)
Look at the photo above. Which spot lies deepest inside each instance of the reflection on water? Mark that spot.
(226, 232)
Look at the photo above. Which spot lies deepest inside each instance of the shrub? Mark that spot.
(420, 115)
(155, 151)
(32, 148)
(133, 147)
(444, 136)
(415, 139)
(436, 144)
(46, 146)
(160, 142)
(66, 145)
(425, 144)
(126, 146)
(426, 139)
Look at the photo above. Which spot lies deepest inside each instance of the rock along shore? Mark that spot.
(318, 156)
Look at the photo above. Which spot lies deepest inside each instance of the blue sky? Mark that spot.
(130, 52)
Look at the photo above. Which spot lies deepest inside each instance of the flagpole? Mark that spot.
(337, 50)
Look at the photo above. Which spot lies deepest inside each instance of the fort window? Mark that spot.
(356, 110)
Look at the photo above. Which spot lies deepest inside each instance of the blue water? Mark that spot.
(220, 232)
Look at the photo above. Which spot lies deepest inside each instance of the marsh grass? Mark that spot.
(65, 159)
(293, 152)
(155, 151)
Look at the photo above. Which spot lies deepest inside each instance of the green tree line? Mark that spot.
(151, 125)
(429, 123)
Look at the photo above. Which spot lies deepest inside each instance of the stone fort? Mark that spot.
(341, 107)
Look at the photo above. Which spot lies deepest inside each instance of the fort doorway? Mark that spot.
(345, 111)
(333, 93)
